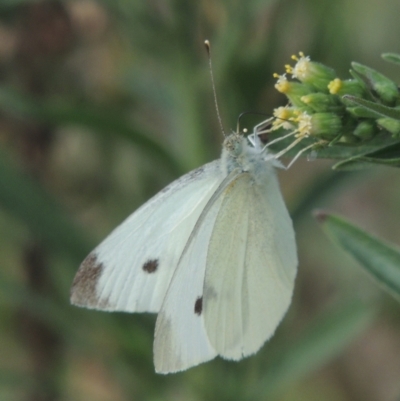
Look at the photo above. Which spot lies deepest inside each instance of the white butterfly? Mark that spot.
(213, 253)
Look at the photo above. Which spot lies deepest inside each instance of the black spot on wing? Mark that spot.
(83, 290)
(198, 306)
(151, 266)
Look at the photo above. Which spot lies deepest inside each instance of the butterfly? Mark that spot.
(213, 253)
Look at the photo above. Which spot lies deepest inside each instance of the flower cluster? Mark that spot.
(321, 105)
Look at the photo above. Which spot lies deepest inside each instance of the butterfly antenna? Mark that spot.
(208, 48)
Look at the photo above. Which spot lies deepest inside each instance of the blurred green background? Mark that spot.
(102, 103)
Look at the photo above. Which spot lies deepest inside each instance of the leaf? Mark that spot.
(28, 201)
(320, 342)
(388, 156)
(379, 109)
(384, 87)
(381, 260)
(391, 57)
(108, 121)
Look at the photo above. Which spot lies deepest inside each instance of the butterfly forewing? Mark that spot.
(131, 269)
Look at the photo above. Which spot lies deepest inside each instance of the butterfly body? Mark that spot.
(213, 253)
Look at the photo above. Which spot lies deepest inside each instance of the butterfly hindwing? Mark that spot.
(131, 269)
(250, 268)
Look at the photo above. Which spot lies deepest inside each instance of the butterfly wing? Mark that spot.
(131, 269)
(180, 339)
(250, 268)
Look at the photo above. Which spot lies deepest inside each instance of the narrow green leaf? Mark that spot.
(28, 201)
(361, 112)
(379, 259)
(321, 341)
(361, 163)
(391, 57)
(388, 156)
(384, 87)
(379, 109)
(107, 121)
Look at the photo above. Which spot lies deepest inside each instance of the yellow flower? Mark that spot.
(311, 72)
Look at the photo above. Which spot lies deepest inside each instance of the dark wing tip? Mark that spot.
(83, 290)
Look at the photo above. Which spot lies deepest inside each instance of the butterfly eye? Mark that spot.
(198, 306)
(151, 266)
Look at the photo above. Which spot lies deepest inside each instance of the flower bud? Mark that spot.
(284, 118)
(315, 74)
(324, 125)
(391, 125)
(321, 102)
(349, 139)
(346, 87)
(293, 90)
(364, 130)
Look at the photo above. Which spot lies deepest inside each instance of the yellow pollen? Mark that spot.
(282, 112)
(301, 69)
(282, 85)
(295, 58)
(288, 69)
(305, 99)
(283, 118)
(335, 86)
(304, 125)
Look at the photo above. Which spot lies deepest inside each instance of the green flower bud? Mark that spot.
(383, 86)
(315, 74)
(293, 91)
(364, 130)
(324, 125)
(321, 102)
(391, 125)
(349, 139)
(346, 87)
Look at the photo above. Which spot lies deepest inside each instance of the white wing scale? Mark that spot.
(131, 269)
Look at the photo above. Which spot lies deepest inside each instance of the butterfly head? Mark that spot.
(234, 144)
(239, 154)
